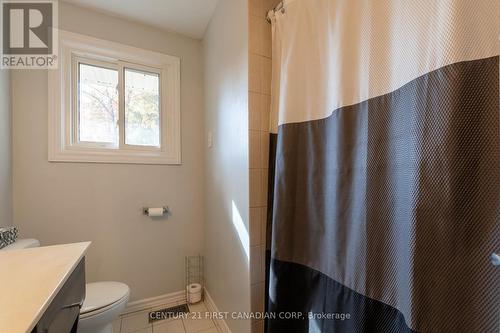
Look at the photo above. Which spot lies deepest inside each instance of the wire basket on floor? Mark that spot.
(194, 279)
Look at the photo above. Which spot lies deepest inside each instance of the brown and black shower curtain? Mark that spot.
(386, 179)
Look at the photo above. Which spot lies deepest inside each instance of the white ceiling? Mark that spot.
(187, 17)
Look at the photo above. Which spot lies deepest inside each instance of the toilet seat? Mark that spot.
(102, 296)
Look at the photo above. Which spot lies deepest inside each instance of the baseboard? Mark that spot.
(211, 307)
(153, 302)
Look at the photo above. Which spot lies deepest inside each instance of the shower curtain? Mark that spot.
(385, 188)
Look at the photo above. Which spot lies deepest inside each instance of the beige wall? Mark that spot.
(71, 202)
(259, 91)
(227, 194)
(5, 151)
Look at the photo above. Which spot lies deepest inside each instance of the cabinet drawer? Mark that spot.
(64, 310)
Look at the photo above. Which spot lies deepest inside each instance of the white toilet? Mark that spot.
(104, 301)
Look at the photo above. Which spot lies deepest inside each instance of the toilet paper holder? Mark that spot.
(145, 210)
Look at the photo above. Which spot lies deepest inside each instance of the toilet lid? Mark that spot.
(101, 294)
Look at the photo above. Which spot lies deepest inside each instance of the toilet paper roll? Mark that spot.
(194, 298)
(194, 293)
(194, 288)
(155, 212)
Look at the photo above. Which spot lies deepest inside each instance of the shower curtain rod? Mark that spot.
(279, 6)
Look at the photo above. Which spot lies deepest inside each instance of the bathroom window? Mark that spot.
(111, 103)
(97, 106)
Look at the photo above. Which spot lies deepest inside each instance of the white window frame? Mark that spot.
(64, 145)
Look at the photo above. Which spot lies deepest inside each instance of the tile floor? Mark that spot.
(138, 322)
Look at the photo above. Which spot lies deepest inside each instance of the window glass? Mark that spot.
(142, 108)
(98, 104)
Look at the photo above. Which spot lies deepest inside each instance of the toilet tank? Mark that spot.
(22, 244)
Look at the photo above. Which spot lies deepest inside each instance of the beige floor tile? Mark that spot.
(210, 330)
(200, 322)
(144, 330)
(174, 326)
(196, 325)
(198, 307)
(135, 321)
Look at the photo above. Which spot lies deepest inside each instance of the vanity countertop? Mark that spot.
(29, 281)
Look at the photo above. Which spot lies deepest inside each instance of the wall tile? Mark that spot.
(265, 112)
(263, 263)
(263, 196)
(263, 228)
(255, 73)
(266, 40)
(255, 111)
(257, 295)
(256, 7)
(264, 150)
(266, 78)
(255, 264)
(255, 188)
(259, 113)
(255, 32)
(255, 149)
(255, 226)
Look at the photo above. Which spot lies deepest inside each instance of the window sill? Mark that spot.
(114, 157)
